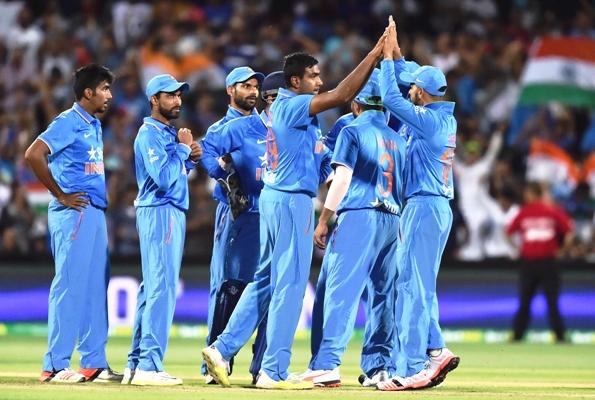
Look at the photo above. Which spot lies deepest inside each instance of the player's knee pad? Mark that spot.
(259, 346)
(226, 300)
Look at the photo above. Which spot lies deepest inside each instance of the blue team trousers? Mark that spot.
(425, 225)
(286, 229)
(352, 263)
(78, 295)
(161, 231)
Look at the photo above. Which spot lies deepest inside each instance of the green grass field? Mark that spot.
(494, 371)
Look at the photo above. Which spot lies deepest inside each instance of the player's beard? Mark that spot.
(416, 99)
(247, 103)
(171, 113)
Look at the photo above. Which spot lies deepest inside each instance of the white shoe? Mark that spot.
(209, 380)
(216, 365)
(441, 364)
(433, 374)
(380, 376)
(322, 377)
(128, 375)
(293, 382)
(154, 378)
(65, 375)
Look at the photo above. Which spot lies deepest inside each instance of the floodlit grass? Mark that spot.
(495, 371)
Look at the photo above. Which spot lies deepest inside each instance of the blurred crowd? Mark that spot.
(482, 46)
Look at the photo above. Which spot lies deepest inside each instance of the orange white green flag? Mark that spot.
(560, 69)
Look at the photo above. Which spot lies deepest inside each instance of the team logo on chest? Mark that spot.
(94, 164)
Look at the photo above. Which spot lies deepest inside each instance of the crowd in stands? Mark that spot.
(481, 45)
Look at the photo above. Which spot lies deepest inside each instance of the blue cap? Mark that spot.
(242, 74)
(164, 83)
(429, 78)
(411, 67)
(272, 83)
(370, 93)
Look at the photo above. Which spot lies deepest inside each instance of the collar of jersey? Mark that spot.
(88, 118)
(286, 93)
(160, 126)
(233, 113)
(371, 114)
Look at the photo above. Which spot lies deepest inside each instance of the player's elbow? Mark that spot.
(32, 155)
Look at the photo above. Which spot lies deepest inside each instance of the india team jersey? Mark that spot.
(330, 140)
(160, 163)
(209, 145)
(245, 139)
(76, 154)
(292, 145)
(376, 154)
(430, 132)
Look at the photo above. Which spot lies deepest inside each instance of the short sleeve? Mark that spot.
(59, 134)
(298, 110)
(346, 149)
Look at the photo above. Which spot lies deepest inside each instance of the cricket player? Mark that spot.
(429, 126)
(286, 220)
(68, 159)
(366, 194)
(242, 88)
(241, 142)
(163, 158)
(370, 346)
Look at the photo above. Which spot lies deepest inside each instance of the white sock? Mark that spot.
(435, 352)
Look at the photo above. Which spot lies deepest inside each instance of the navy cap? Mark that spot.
(370, 93)
(272, 83)
(164, 83)
(429, 78)
(242, 74)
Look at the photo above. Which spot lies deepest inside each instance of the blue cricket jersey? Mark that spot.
(330, 139)
(245, 139)
(430, 132)
(76, 154)
(292, 145)
(377, 157)
(160, 161)
(209, 145)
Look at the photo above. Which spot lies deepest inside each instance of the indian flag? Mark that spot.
(548, 162)
(560, 69)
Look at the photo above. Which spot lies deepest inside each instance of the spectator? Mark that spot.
(16, 220)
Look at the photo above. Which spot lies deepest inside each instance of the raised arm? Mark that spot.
(351, 85)
(418, 117)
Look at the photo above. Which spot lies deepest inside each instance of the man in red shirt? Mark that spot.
(543, 228)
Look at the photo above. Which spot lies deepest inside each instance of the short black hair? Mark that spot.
(367, 107)
(90, 77)
(295, 64)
